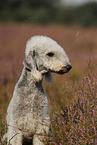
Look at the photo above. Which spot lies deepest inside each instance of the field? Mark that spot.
(72, 97)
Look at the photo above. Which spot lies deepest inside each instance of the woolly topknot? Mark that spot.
(36, 42)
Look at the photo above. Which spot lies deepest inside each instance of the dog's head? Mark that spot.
(47, 56)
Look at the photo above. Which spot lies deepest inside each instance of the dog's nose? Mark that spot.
(68, 67)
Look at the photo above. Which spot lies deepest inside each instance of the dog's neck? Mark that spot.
(30, 78)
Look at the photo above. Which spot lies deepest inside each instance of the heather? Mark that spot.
(77, 123)
(72, 97)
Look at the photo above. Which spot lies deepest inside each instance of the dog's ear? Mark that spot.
(29, 61)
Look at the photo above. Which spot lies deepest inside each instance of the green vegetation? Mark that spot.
(84, 15)
(34, 11)
(48, 11)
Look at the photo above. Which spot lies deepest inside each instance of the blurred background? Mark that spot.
(81, 12)
(72, 23)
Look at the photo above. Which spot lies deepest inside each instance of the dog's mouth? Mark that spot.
(64, 70)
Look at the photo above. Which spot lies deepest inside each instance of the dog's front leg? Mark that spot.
(14, 138)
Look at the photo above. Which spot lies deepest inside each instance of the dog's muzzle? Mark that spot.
(64, 70)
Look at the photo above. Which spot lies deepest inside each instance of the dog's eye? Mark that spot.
(50, 54)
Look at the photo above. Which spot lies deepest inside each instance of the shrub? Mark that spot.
(44, 12)
(76, 124)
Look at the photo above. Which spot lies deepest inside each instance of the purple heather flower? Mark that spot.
(94, 113)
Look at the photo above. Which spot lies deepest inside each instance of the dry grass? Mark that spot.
(79, 43)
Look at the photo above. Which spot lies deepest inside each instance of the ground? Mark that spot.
(80, 45)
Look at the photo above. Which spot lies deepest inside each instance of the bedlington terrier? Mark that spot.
(28, 111)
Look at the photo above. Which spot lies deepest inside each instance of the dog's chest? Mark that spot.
(34, 101)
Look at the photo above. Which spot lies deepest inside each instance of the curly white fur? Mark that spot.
(28, 111)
